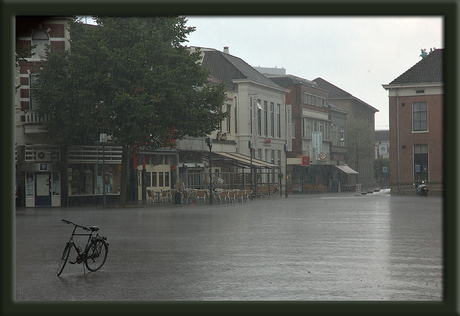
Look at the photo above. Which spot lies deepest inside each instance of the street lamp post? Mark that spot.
(209, 143)
(103, 140)
(286, 177)
(250, 153)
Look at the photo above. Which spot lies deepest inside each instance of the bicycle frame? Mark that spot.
(95, 245)
(79, 251)
(81, 254)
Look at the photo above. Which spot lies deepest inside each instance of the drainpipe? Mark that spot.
(397, 137)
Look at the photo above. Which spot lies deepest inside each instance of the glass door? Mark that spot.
(42, 189)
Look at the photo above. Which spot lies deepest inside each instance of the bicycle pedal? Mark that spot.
(72, 262)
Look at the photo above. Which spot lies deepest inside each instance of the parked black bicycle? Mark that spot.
(94, 254)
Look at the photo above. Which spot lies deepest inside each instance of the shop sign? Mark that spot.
(317, 140)
(305, 160)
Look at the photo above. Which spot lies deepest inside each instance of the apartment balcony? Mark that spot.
(33, 122)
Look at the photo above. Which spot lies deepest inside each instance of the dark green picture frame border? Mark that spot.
(448, 9)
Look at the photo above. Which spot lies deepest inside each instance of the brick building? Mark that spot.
(416, 100)
(319, 129)
(45, 175)
(356, 109)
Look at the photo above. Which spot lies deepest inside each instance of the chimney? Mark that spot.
(226, 51)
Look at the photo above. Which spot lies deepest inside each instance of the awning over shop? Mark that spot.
(238, 160)
(346, 169)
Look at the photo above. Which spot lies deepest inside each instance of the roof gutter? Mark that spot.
(412, 85)
(237, 81)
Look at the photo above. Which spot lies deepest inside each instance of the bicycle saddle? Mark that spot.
(94, 228)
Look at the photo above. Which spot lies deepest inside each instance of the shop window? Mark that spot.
(148, 179)
(56, 184)
(88, 179)
(160, 179)
(194, 178)
(154, 179)
(29, 184)
(166, 179)
(420, 163)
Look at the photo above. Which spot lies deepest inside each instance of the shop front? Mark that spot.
(86, 176)
(156, 171)
(304, 177)
(42, 184)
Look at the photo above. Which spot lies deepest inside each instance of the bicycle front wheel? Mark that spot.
(64, 258)
(96, 255)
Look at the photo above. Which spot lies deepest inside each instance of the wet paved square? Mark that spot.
(338, 247)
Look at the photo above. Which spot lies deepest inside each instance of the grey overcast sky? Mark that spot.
(357, 54)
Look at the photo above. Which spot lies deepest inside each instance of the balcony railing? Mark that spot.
(91, 154)
(32, 117)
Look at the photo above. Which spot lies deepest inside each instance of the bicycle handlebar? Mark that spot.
(69, 222)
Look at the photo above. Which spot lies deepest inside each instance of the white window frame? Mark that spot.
(420, 121)
(40, 38)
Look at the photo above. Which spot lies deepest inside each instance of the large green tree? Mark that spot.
(360, 140)
(132, 78)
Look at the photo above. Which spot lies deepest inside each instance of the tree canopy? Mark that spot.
(360, 141)
(130, 77)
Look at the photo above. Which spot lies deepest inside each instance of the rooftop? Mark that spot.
(337, 93)
(227, 68)
(427, 70)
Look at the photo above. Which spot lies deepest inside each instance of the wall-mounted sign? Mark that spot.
(317, 140)
(383, 150)
(305, 160)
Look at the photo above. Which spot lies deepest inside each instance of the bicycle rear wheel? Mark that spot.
(64, 258)
(96, 255)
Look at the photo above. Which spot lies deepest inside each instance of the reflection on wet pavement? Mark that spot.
(305, 247)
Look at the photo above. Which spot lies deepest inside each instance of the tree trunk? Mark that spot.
(64, 175)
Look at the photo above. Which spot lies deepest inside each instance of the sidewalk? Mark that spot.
(216, 203)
